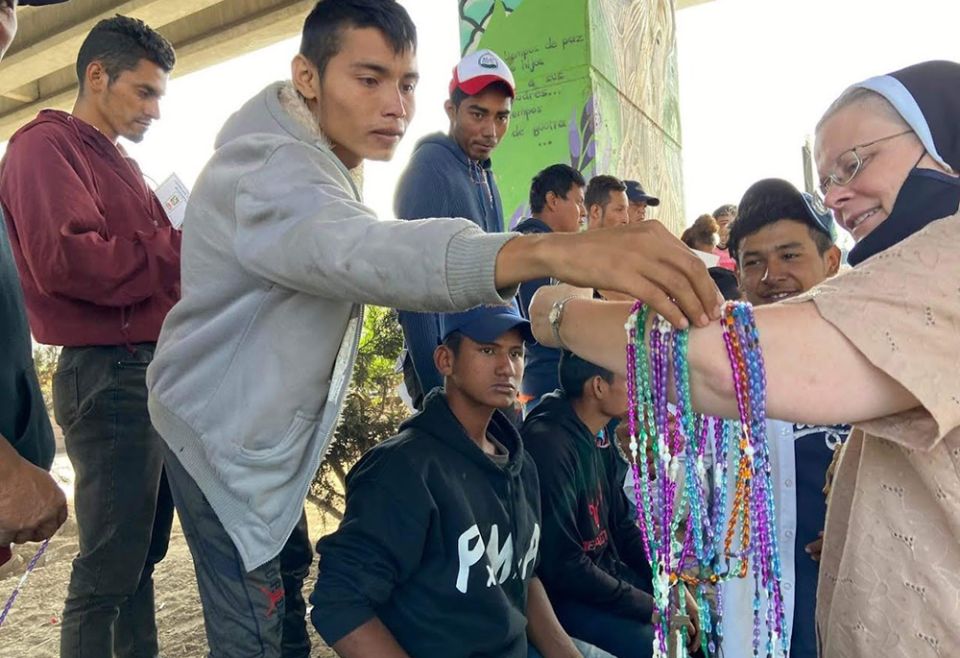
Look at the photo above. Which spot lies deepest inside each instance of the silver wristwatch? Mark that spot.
(555, 317)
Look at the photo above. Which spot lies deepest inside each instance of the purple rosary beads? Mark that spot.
(688, 531)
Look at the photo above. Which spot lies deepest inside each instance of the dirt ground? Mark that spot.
(32, 628)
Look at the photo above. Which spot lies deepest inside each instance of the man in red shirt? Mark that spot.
(100, 267)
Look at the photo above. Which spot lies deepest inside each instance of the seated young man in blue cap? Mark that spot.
(438, 546)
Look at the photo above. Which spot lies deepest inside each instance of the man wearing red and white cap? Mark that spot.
(451, 176)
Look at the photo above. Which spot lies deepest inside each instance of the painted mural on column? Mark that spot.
(596, 88)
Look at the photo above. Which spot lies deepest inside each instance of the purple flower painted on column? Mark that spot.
(574, 138)
(583, 146)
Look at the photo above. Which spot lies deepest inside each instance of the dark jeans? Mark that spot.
(256, 614)
(122, 503)
(621, 636)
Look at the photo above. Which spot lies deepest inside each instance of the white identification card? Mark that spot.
(173, 194)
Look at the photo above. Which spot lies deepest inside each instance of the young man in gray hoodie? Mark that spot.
(279, 254)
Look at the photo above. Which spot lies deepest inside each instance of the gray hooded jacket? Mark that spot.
(279, 253)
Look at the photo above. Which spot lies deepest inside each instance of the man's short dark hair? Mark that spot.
(558, 178)
(766, 209)
(599, 189)
(576, 371)
(323, 28)
(120, 43)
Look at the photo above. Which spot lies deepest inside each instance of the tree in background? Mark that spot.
(45, 361)
(372, 412)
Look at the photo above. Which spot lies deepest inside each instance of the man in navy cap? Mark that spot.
(783, 244)
(32, 506)
(639, 200)
(437, 550)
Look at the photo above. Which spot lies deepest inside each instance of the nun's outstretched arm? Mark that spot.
(814, 374)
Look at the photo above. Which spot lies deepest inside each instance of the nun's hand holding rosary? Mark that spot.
(547, 316)
(690, 620)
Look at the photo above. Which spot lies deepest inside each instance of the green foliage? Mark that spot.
(372, 411)
(45, 361)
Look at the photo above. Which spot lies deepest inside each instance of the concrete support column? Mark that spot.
(597, 88)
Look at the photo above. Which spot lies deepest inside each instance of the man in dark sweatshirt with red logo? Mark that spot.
(593, 563)
(437, 550)
(100, 266)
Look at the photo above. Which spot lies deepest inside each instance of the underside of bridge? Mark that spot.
(38, 70)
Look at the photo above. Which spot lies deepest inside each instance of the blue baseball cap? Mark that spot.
(818, 215)
(636, 194)
(485, 324)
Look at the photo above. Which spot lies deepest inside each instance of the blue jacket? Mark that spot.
(441, 181)
(540, 375)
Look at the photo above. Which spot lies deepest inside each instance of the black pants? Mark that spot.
(122, 503)
(256, 614)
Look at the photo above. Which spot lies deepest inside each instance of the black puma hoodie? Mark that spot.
(438, 541)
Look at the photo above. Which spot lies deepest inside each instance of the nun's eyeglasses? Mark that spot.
(849, 164)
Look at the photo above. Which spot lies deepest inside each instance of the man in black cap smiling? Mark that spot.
(782, 242)
(639, 200)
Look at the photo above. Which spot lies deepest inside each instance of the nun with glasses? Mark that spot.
(878, 347)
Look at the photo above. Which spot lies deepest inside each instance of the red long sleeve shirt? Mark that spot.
(99, 261)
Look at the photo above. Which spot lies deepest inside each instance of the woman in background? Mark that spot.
(703, 235)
